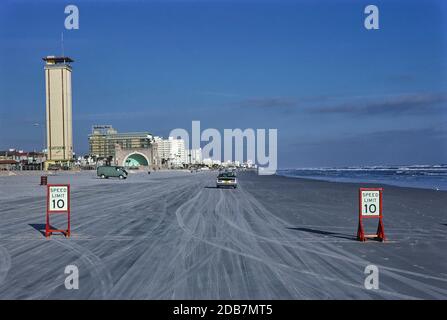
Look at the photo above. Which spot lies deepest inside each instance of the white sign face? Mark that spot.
(370, 203)
(58, 198)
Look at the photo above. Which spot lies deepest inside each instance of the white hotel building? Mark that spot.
(171, 151)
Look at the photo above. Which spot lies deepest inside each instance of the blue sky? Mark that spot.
(337, 93)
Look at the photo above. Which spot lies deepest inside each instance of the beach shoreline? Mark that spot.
(421, 177)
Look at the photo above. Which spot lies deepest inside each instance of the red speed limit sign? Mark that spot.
(370, 206)
(58, 202)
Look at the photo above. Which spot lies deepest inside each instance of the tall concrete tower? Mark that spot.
(58, 108)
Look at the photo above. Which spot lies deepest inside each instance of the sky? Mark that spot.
(338, 94)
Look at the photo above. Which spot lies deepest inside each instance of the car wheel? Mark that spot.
(103, 176)
(121, 177)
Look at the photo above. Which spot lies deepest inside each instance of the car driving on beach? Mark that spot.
(105, 172)
(226, 179)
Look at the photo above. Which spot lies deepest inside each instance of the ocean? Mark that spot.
(414, 176)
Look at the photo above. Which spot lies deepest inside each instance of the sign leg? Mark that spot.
(381, 231)
(68, 230)
(360, 232)
(47, 227)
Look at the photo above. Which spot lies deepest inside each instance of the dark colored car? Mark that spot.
(106, 172)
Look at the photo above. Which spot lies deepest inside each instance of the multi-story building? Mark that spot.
(177, 151)
(171, 151)
(158, 141)
(128, 149)
(104, 138)
(59, 110)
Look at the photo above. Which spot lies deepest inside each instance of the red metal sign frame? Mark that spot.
(361, 236)
(48, 229)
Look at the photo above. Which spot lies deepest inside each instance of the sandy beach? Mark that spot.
(173, 235)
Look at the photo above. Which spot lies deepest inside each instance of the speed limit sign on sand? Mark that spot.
(370, 206)
(58, 202)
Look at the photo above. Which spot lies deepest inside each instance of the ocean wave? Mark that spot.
(422, 176)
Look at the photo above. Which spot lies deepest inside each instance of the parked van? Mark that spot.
(106, 172)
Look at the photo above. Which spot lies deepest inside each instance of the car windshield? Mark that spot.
(227, 175)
